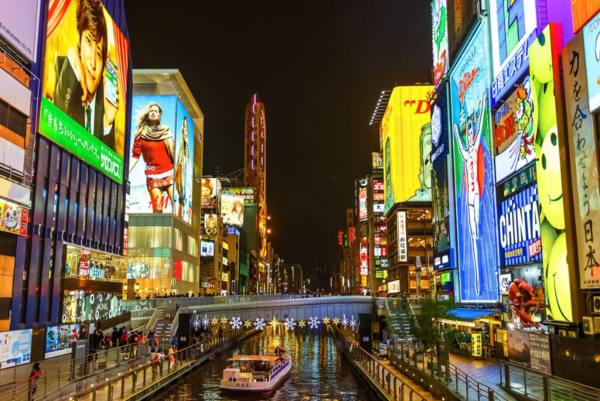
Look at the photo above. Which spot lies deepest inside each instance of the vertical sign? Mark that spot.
(591, 41)
(362, 204)
(439, 26)
(583, 153)
(402, 248)
(364, 257)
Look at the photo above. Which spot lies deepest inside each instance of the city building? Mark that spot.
(213, 233)
(164, 208)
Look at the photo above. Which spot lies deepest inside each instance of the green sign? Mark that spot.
(62, 129)
(446, 277)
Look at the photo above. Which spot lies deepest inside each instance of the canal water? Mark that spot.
(320, 371)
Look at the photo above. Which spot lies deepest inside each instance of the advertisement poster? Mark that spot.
(513, 25)
(543, 62)
(439, 17)
(207, 248)
(87, 306)
(406, 127)
(591, 41)
(211, 226)
(19, 23)
(85, 84)
(362, 204)
(162, 144)
(515, 129)
(138, 270)
(394, 286)
(211, 192)
(519, 229)
(15, 347)
(442, 196)
(247, 193)
(473, 170)
(60, 338)
(584, 173)
(377, 160)
(13, 218)
(530, 350)
(232, 210)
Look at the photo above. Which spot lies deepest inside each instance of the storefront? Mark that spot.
(473, 333)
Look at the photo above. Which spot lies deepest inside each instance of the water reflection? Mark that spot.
(320, 371)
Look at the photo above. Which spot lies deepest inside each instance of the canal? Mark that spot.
(320, 371)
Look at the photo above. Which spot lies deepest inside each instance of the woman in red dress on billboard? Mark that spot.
(155, 143)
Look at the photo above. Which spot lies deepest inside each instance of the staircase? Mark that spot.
(163, 332)
(399, 315)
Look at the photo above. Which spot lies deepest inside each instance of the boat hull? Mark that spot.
(257, 387)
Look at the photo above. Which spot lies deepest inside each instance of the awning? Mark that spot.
(469, 315)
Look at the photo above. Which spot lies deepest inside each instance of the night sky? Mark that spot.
(318, 66)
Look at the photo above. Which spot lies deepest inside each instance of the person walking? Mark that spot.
(221, 334)
(108, 340)
(34, 376)
(115, 337)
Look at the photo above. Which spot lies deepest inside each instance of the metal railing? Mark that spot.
(154, 374)
(539, 386)
(444, 372)
(51, 381)
(391, 383)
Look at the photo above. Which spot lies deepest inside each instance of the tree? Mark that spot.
(426, 327)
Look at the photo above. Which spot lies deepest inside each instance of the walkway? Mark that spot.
(485, 371)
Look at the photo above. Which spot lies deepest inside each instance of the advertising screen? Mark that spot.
(543, 70)
(162, 146)
(211, 193)
(473, 170)
(584, 174)
(232, 210)
(85, 84)
(591, 40)
(515, 128)
(138, 270)
(87, 306)
(207, 248)
(513, 25)
(582, 11)
(442, 195)
(247, 193)
(439, 17)
(15, 347)
(406, 127)
(19, 22)
(211, 226)
(60, 338)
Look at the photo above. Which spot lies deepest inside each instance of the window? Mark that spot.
(12, 119)
(192, 246)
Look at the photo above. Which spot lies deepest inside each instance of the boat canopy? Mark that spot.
(262, 358)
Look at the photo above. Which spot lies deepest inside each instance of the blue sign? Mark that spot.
(514, 69)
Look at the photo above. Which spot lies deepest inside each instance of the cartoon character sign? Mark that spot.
(440, 40)
(12, 217)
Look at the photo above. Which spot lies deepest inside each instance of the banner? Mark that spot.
(15, 347)
(584, 168)
(60, 338)
(85, 84)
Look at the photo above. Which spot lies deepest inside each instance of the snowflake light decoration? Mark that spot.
(259, 324)
(302, 323)
(326, 320)
(248, 323)
(205, 321)
(353, 323)
(345, 322)
(290, 324)
(224, 320)
(313, 322)
(336, 320)
(236, 323)
(274, 322)
(214, 321)
(196, 323)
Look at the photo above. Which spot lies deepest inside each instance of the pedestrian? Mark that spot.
(174, 343)
(221, 334)
(133, 341)
(34, 376)
(172, 351)
(115, 337)
(123, 341)
(108, 340)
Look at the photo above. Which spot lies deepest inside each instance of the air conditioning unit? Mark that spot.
(588, 325)
(596, 304)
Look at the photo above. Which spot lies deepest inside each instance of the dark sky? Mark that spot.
(318, 66)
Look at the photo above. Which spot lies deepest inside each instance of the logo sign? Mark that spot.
(436, 124)
(402, 245)
(364, 257)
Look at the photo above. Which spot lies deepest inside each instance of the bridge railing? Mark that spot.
(170, 303)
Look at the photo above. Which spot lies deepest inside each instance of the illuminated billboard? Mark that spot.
(232, 210)
(13, 218)
(207, 248)
(582, 11)
(402, 244)
(85, 84)
(513, 25)
(591, 40)
(19, 23)
(162, 146)
(406, 127)
(584, 174)
(211, 226)
(364, 257)
(247, 193)
(444, 238)
(473, 169)
(543, 71)
(362, 204)
(377, 159)
(515, 129)
(439, 17)
(211, 193)
(394, 286)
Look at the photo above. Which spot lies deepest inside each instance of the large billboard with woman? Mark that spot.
(85, 84)
(160, 169)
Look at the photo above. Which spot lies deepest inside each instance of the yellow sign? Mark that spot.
(477, 344)
(363, 281)
(406, 135)
(224, 277)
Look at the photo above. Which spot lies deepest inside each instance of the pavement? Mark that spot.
(20, 374)
(486, 371)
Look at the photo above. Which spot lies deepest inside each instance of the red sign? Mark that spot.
(352, 231)
(178, 269)
(341, 238)
(364, 257)
(378, 186)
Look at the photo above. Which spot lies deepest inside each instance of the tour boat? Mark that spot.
(256, 373)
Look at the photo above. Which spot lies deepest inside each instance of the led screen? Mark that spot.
(60, 338)
(85, 84)
(406, 127)
(207, 248)
(162, 146)
(473, 170)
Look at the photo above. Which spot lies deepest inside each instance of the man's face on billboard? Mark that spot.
(91, 61)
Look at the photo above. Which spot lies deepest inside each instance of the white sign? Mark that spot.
(19, 23)
(402, 247)
(15, 347)
(394, 286)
